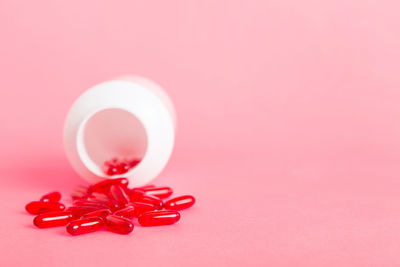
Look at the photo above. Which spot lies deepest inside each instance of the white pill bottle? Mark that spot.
(128, 117)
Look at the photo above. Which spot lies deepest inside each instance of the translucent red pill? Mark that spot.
(122, 167)
(52, 196)
(119, 224)
(78, 195)
(104, 186)
(84, 226)
(97, 213)
(52, 219)
(90, 203)
(110, 203)
(128, 212)
(79, 211)
(135, 194)
(141, 207)
(180, 203)
(158, 203)
(113, 205)
(80, 192)
(119, 195)
(160, 192)
(38, 207)
(109, 168)
(95, 196)
(133, 162)
(82, 188)
(157, 218)
(146, 186)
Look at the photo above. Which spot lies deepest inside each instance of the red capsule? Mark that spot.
(119, 224)
(132, 163)
(180, 203)
(118, 194)
(114, 160)
(110, 203)
(79, 211)
(80, 192)
(90, 203)
(160, 192)
(158, 203)
(52, 219)
(135, 194)
(82, 188)
(98, 196)
(38, 207)
(104, 186)
(113, 205)
(128, 212)
(122, 168)
(98, 213)
(83, 226)
(156, 218)
(110, 168)
(79, 195)
(141, 207)
(52, 196)
(145, 187)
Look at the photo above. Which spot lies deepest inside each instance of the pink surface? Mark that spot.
(288, 127)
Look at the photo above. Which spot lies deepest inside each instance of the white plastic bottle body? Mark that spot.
(129, 117)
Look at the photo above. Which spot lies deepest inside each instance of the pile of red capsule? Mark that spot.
(109, 204)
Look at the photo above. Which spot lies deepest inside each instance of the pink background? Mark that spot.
(288, 127)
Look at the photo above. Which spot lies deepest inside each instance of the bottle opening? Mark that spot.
(111, 133)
